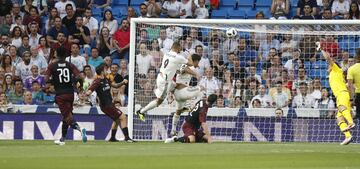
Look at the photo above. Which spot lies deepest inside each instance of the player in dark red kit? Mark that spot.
(102, 87)
(63, 76)
(193, 122)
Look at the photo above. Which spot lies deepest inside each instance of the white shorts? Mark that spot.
(163, 87)
(185, 94)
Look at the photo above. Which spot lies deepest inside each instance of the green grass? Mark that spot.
(157, 155)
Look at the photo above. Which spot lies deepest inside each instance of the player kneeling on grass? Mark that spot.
(193, 122)
(102, 87)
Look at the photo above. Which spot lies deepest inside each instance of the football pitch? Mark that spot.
(157, 155)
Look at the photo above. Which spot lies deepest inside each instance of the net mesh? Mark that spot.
(261, 69)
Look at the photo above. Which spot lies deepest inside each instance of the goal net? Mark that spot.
(272, 83)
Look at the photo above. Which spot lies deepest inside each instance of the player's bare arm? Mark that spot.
(206, 131)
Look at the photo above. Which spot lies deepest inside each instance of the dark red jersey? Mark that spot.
(62, 74)
(198, 114)
(102, 88)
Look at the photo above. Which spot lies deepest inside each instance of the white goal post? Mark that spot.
(248, 123)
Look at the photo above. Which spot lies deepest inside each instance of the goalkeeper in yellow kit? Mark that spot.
(341, 92)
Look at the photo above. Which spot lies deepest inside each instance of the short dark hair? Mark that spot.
(195, 57)
(87, 66)
(35, 82)
(69, 5)
(61, 52)
(17, 80)
(303, 84)
(100, 68)
(212, 99)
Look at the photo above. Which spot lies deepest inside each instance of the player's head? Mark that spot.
(176, 47)
(196, 59)
(61, 53)
(211, 99)
(100, 69)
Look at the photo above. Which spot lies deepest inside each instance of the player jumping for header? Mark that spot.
(102, 87)
(63, 75)
(193, 122)
(164, 81)
(341, 92)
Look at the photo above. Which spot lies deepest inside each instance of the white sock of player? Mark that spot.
(175, 121)
(150, 106)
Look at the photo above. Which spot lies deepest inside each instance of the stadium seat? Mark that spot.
(219, 14)
(236, 14)
(263, 3)
(120, 3)
(293, 4)
(245, 3)
(251, 14)
(96, 12)
(320, 65)
(228, 3)
(136, 2)
(119, 11)
(117, 61)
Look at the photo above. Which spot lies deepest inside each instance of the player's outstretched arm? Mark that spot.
(206, 131)
(191, 72)
(325, 54)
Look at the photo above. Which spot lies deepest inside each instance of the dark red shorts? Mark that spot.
(65, 103)
(189, 130)
(111, 111)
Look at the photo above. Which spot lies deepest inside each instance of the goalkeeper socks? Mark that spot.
(150, 106)
(75, 126)
(342, 126)
(113, 133)
(348, 117)
(175, 121)
(64, 129)
(126, 133)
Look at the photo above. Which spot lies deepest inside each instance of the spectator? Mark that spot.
(8, 84)
(49, 97)
(230, 44)
(165, 43)
(79, 33)
(226, 86)
(231, 59)
(41, 5)
(61, 7)
(279, 9)
(16, 96)
(61, 41)
(330, 45)
(75, 57)
(18, 22)
(108, 62)
(5, 47)
(327, 14)
(201, 12)
(292, 63)
(50, 22)
(5, 26)
(217, 64)
(250, 91)
(15, 59)
(5, 7)
(43, 47)
(204, 61)
(104, 43)
(187, 9)
(267, 44)
(216, 45)
(109, 21)
(81, 6)
(34, 36)
(287, 47)
(123, 68)
(5, 105)
(38, 60)
(325, 104)
(156, 54)
(273, 72)
(143, 11)
(238, 72)
(340, 9)
(188, 46)
(95, 60)
(89, 77)
(209, 82)
(144, 36)
(301, 78)
(37, 93)
(55, 30)
(286, 82)
(69, 20)
(2, 77)
(174, 32)
(308, 47)
(15, 11)
(265, 99)
(237, 103)
(33, 17)
(91, 23)
(303, 100)
(307, 13)
(245, 53)
(301, 5)
(23, 69)
(121, 40)
(16, 37)
(7, 64)
(153, 9)
(35, 76)
(26, 7)
(131, 13)
(220, 103)
(252, 74)
(27, 99)
(100, 4)
(171, 8)
(256, 103)
(316, 92)
(280, 97)
(143, 59)
(354, 12)
(344, 61)
(237, 90)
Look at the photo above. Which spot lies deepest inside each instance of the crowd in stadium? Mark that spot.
(259, 70)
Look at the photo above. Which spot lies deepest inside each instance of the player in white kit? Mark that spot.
(164, 82)
(183, 92)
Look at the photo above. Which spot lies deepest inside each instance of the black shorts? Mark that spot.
(357, 104)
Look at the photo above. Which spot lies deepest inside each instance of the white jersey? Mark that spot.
(78, 61)
(184, 78)
(23, 70)
(171, 63)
